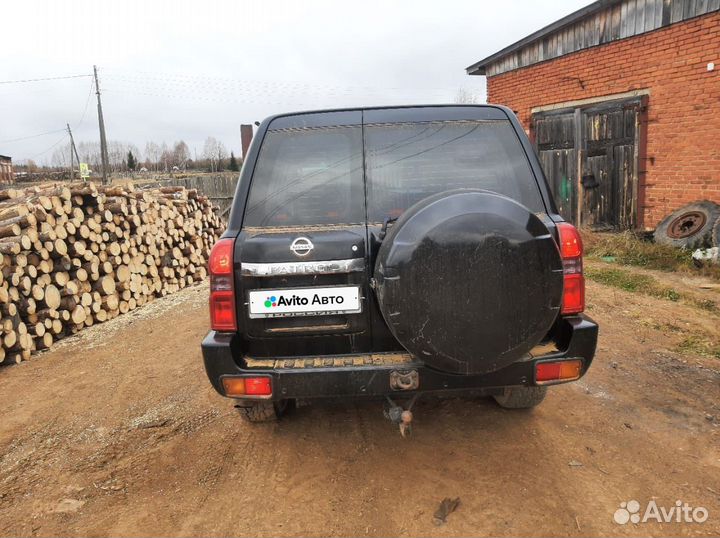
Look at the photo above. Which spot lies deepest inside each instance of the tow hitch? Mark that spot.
(401, 416)
(404, 380)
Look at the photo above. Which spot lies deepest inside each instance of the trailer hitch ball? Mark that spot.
(406, 422)
(401, 417)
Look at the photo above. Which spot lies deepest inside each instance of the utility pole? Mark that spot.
(73, 149)
(103, 141)
(72, 171)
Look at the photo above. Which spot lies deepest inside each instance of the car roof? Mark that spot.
(386, 114)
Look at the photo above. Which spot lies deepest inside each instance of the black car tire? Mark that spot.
(263, 411)
(689, 227)
(521, 397)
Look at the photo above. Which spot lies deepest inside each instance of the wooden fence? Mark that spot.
(220, 188)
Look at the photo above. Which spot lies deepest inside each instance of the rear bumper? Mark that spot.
(578, 340)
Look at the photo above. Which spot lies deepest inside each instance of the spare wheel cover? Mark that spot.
(469, 281)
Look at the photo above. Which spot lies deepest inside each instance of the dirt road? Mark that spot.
(118, 432)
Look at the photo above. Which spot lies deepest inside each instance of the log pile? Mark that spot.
(77, 254)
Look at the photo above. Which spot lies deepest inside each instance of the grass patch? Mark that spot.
(632, 282)
(645, 284)
(699, 346)
(707, 304)
(628, 248)
(658, 326)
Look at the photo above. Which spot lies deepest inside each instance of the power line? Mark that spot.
(41, 79)
(209, 87)
(209, 80)
(87, 102)
(213, 89)
(269, 97)
(30, 136)
(51, 147)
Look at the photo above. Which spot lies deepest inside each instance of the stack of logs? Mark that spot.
(78, 254)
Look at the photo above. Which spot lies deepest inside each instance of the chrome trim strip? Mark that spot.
(309, 328)
(324, 267)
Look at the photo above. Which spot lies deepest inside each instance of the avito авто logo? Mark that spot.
(295, 300)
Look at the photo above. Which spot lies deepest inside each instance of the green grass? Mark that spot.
(632, 282)
(628, 248)
(645, 284)
(693, 344)
(707, 304)
(699, 346)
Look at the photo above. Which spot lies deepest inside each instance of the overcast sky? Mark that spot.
(175, 69)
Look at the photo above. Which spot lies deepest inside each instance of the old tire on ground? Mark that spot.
(469, 281)
(521, 397)
(263, 411)
(690, 226)
(716, 234)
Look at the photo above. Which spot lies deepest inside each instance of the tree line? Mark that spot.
(127, 157)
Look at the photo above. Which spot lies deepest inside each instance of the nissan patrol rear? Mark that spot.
(391, 252)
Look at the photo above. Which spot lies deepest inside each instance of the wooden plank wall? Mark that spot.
(220, 188)
(6, 171)
(560, 168)
(606, 135)
(555, 142)
(624, 19)
(610, 140)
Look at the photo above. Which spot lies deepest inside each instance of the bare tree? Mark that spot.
(165, 157)
(89, 152)
(181, 154)
(152, 155)
(210, 152)
(467, 97)
(222, 154)
(61, 157)
(117, 154)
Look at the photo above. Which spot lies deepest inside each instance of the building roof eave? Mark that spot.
(478, 68)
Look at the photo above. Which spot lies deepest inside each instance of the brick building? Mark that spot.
(6, 171)
(622, 102)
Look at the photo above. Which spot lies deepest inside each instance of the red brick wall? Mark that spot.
(683, 140)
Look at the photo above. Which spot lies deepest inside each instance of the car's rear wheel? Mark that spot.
(263, 411)
(521, 397)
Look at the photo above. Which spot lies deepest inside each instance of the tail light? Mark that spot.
(222, 293)
(254, 387)
(571, 251)
(548, 372)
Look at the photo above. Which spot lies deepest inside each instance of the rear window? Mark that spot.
(308, 176)
(410, 161)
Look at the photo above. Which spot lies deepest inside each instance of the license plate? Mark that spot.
(304, 301)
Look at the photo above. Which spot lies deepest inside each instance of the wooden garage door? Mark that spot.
(589, 156)
(555, 145)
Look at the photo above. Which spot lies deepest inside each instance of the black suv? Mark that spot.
(389, 252)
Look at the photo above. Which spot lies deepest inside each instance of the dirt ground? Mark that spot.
(118, 432)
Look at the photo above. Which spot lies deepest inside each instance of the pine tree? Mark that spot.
(233, 163)
(131, 162)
